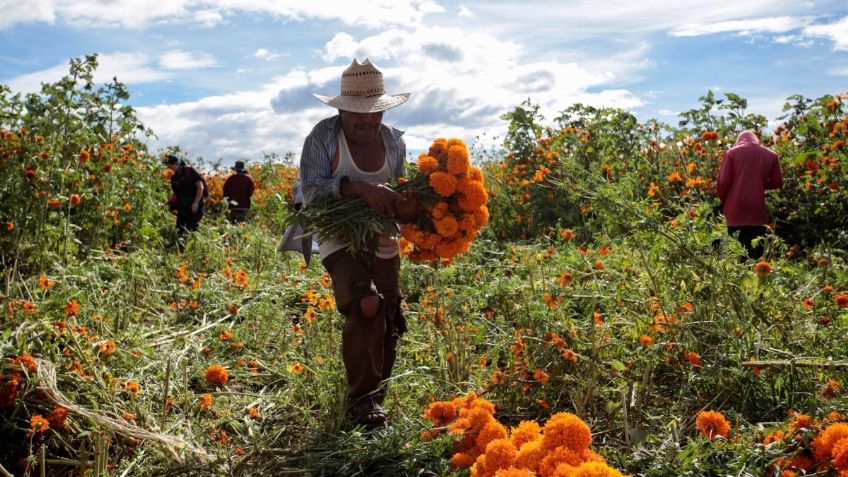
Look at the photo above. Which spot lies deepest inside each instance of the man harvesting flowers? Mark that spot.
(353, 155)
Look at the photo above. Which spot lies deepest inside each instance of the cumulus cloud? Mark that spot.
(129, 68)
(15, 11)
(837, 32)
(184, 60)
(461, 83)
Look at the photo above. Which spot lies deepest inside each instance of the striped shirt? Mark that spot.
(320, 146)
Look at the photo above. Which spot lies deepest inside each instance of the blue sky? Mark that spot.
(230, 79)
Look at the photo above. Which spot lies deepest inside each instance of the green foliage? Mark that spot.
(624, 301)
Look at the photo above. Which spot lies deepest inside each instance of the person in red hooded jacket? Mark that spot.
(747, 171)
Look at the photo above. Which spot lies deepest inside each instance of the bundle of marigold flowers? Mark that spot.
(560, 448)
(451, 199)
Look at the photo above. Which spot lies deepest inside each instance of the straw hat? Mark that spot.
(362, 91)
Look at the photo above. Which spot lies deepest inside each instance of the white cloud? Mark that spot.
(141, 13)
(461, 83)
(238, 125)
(267, 55)
(16, 11)
(836, 32)
(742, 27)
(129, 68)
(184, 60)
(464, 12)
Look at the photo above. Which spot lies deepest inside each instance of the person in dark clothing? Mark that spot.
(187, 202)
(238, 188)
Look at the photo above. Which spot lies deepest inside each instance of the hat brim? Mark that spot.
(364, 104)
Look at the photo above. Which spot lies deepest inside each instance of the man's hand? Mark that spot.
(379, 197)
(406, 209)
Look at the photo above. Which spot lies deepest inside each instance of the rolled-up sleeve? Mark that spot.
(316, 173)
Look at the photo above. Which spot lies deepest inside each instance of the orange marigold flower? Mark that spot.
(427, 164)
(824, 442)
(802, 421)
(530, 455)
(712, 424)
(475, 174)
(10, 226)
(57, 417)
(38, 423)
(652, 190)
(492, 430)
(564, 279)
(107, 347)
(45, 283)
(217, 374)
(225, 334)
(297, 368)
(75, 199)
(541, 376)
(132, 387)
(569, 355)
(463, 460)
(500, 454)
(84, 156)
(567, 234)
(527, 431)
(233, 309)
(447, 226)
(458, 162)
(675, 177)
(253, 413)
(646, 341)
(559, 458)
(310, 314)
(709, 135)
(240, 278)
(840, 456)
(441, 413)
(593, 469)
(841, 300)
(568, 430)
(27, 361)
(204, 402)
(473, 195)
(72, 308)
(443, 183)
(597, 318)
(54, 203)
(762, 268)
(693, 358)
(831, 389)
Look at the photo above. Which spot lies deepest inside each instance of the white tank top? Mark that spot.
(388, 246)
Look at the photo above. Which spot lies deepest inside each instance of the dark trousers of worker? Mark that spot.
(237, 215)
(187, 221)
(369, 343)
(746, 235)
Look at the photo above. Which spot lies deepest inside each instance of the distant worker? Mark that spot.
(747, 171)
(188, 202)
(238, 188)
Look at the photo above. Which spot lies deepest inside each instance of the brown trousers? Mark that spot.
(369, 344)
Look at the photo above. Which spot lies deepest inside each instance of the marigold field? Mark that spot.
(601, 324)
